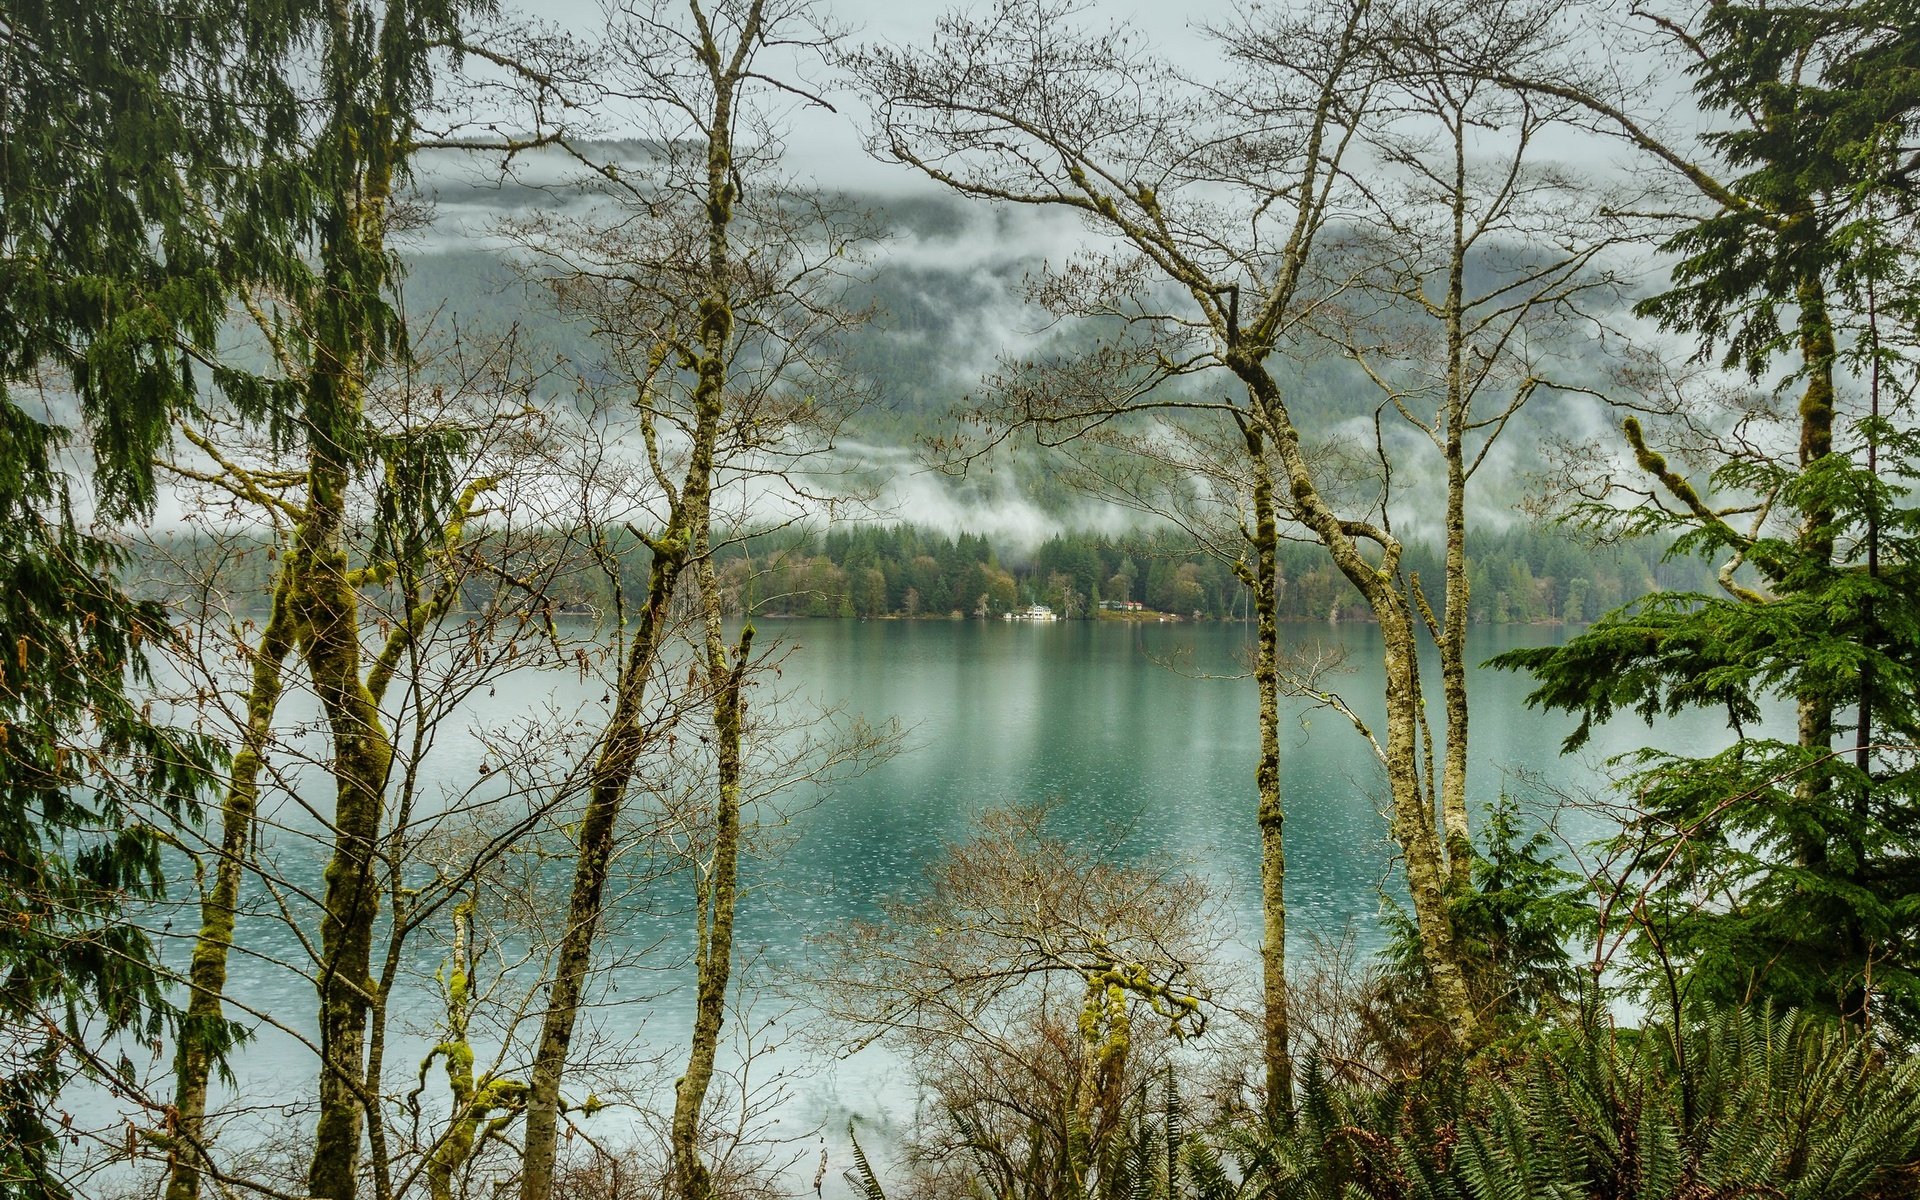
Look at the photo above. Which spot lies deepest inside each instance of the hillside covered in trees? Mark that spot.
(1520, 576)
(871, 570)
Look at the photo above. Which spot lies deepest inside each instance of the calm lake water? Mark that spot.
(1140, 733)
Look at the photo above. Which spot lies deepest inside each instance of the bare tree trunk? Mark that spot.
(1817, 352)
(1453, 687)
(1814, 709)
(713, 955)
(1275, 1024)
(1413, 828)
(1413, 822)
(1453, 629)
(207, 976)
(402, 640)
(619, 754)
(625, 738)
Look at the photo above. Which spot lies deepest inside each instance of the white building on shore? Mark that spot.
(1033, 612)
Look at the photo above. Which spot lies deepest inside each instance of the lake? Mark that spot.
(1144, 737)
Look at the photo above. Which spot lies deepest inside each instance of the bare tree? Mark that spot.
(1214, 197)
(714, 290)
(1481, 264)
(1022, 982)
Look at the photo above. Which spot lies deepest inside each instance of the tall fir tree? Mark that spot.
(140, 188)
(1785, 867)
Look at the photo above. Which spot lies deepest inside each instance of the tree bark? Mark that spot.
(1413, 821)
(1818, 351)
(362, 756)
(475, 1098)
(1271, 813)
(619, 754)
(207, 976)
(349, 337)
(1453, 630)
(714, 953)
(453, 1149)
(625, 738)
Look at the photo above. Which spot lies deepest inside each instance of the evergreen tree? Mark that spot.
(1785, 867)
(127, 126)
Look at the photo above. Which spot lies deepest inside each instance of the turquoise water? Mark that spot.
(1143, 735)
(1147, 742)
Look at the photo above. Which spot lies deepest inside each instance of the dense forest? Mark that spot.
(355, 353)
(1518, 576)
(873, 570)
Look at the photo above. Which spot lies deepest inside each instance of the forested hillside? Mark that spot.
(1519, 576)
(872, 570)
(943, 301)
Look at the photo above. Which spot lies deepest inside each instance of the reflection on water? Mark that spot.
(1144, 735)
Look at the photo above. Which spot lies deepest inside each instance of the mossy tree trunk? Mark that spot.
(619, 754)
(1263, 577)
(719, 887)
(1414, 826)
(362, 757)
(1452, 634)
(687, 529)
(352, 333)
(481, 1105)
(1106, 1037)
(1815, 705)
(201, 1031)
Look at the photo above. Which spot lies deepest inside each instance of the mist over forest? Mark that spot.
(942, 286)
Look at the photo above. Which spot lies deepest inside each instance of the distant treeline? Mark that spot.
(1523, 575)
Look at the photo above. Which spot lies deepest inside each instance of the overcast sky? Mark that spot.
(827, 146)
